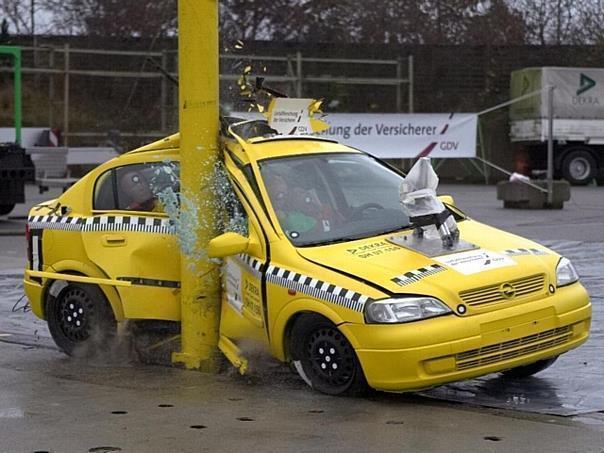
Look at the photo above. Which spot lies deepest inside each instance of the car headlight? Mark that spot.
(566, 273)
(404, 309)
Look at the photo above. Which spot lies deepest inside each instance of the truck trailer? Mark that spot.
(578, 125)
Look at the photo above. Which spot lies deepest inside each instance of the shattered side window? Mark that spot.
(233, 218)
(138, 187)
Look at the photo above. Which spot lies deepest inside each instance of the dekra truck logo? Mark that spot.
(585, 84)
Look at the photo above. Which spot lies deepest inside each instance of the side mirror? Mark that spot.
(227, 244)
(447, 199)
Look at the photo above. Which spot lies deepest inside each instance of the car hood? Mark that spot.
(499, 257)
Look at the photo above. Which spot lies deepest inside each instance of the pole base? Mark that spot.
(516, 195)
(208, 363)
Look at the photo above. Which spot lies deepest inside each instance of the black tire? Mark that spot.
(80, 319)
(6, 208)
(327, 360)
(579, 167)
(525, 371)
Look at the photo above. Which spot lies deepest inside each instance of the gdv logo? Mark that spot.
(585, 84)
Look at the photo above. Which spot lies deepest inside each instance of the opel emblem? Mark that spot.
(507, 290)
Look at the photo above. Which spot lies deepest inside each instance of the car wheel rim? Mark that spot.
(74, 314)
(579, 168)
(331, 358)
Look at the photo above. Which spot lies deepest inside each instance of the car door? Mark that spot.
(130, 237)
(243, 276)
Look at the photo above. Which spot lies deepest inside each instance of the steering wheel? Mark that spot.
(363, 211)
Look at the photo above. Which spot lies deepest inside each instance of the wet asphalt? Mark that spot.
(49, 402)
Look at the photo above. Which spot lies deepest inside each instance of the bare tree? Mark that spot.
(590, 22)
(551, 21)
(369, 21)
(17, 13)
(114, 18)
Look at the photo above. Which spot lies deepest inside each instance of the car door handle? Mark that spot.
(113, 240)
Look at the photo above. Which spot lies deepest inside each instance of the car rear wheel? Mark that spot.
(528, 370)
(80, 319)
(325, 359)
(579, 167)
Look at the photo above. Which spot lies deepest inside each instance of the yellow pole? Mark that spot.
(199, 123)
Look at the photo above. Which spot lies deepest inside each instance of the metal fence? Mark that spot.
(88, 93)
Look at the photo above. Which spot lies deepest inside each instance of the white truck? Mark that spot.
(578, 130)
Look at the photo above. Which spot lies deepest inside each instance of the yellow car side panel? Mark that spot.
(149, 256)
(89, 269)
(150, 302)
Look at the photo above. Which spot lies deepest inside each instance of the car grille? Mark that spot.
(492, 293)
(514, 348)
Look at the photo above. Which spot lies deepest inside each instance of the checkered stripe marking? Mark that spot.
(102, 223)
(522, 251)
(317, 288)
(253, 265)
(51, 222)
(416, 275)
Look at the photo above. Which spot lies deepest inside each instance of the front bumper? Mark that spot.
(414, 356)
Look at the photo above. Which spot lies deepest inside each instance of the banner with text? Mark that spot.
(395, 135)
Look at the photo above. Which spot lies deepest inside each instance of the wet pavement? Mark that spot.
(52, 403)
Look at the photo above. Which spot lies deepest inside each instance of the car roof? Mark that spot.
(258, 148)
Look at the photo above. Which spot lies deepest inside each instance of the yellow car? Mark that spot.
(318, 266)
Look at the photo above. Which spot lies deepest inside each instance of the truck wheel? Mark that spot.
(579, 167)
(6, 208)
(528, 370)
(325, 359)
(80, 319)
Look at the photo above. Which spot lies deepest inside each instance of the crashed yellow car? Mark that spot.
(325, 269)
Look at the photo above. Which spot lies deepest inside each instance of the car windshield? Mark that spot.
(326, 198)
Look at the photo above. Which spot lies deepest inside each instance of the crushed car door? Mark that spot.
(131, 238)
(244, 304)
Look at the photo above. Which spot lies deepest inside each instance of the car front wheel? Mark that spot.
(80, 319)
(324, 358)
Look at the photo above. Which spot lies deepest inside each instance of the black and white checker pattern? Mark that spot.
(102, 223)
(52, 222)
(524, 251)
(254, 266)
(317, 288)
(416, 275)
